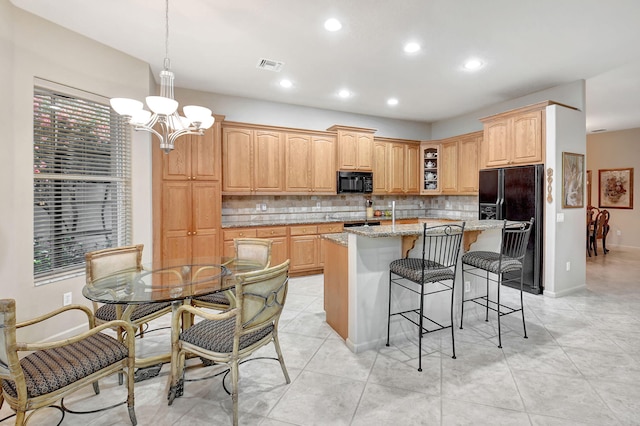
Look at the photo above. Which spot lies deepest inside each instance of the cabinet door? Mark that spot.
(347, 151)
(449, 167)
(303, 250)
(411, 176)
(268, 161)
(468, 164)
(204, 156)
(206, 218)
(380, 159)
(526, 138)
(176, 165)
(396, 168)
(298, 166)
(176, 220)
(496, 142)
(365, 151)
(429, 159)
(323, 167)
(279, 250)
(236, 159)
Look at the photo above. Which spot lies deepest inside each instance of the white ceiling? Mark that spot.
(527, 46)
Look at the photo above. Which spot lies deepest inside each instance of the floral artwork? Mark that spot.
(616, 188)
(572, 180)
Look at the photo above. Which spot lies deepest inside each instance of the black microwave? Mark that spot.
(354, 182)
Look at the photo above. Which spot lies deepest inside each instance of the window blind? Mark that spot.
(82, 180)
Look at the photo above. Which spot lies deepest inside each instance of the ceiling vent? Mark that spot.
(270, 65)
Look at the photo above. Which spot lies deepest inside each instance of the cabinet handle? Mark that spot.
(193, 178)
(188, 177)
(188, 232)
(194, 232)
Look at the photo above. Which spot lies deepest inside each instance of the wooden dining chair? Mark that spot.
(102, 263)
(252, 249)
(37, 375)
(599, 230)
(233, 335)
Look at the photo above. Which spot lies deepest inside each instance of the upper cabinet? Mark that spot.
(396, 166)
(194, 158)
(459, 164)
(355, 148)
(252, 160)
(310, 163)
(514, 137)
(429, 158)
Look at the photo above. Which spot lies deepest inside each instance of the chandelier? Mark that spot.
(163, 120)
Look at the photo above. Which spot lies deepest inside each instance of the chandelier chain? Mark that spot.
(167, 62)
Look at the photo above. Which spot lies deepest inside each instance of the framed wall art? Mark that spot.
(615, 189)
(572, 180)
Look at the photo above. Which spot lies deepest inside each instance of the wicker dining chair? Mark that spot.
(253, 249)
(102, 263)
(233, 335)
(52, 370)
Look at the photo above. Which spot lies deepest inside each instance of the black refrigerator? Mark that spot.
(517, 193)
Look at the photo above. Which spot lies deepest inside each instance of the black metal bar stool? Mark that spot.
(434, 273)
(506, 265)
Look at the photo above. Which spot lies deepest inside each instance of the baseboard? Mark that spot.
(564, 292)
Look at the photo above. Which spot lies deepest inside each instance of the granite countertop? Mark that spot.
(284, 222)
(340, 238)
(416, 229)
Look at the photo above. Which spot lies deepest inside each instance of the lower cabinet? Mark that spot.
(301, 244)
(336, 287)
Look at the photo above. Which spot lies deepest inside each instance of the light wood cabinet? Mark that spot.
(514, 137)
(336, 287)
(187, 197)
(429, 178)
(395, 166)
(310, 163)
(355, 148)
(305, 246)
(280, 242)
(459, 164)
(252, 160)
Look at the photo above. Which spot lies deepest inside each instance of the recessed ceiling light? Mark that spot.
(332, 24)
(286, 83)
(411, 47)
(344, 93)
(473, 64)
(392, 101)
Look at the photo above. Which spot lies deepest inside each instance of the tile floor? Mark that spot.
(580, 365)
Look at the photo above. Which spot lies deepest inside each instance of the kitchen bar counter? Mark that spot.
(370, 250)
(310, 221)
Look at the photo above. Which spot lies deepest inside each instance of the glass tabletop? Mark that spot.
(170, 280)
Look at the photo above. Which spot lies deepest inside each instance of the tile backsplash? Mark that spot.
(280, 208)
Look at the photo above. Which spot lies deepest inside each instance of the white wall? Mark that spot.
(278, 114)
(571, 94)
(564, 235)
(31, 47)
(615, 150)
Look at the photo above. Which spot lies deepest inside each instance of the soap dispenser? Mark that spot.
(369, 204)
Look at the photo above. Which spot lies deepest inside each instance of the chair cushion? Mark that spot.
(218, 298)
(108, 312)
(489, 261)
(411, 269)
(217, 336)
(51, 369)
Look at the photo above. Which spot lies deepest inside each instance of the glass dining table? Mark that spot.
(176, 281)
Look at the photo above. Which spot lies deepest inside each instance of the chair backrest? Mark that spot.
(105, 262)
(258, 249)
(601, 222)
(441, 246)
(515, 238)
(9, 361)
(260, 296)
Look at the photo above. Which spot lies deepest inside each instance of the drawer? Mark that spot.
(280, 231)
(304, 230)
(231, 234)
(330, 228)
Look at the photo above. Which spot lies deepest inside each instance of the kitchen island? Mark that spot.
(369, 252)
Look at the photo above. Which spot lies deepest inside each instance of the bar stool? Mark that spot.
(504, 265)
(434, 273)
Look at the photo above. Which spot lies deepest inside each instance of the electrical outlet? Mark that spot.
(568, 266)
(263, 207)
(618, 232)
(467, 286)
(318, 204)
(258, 207)
(66, 299)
